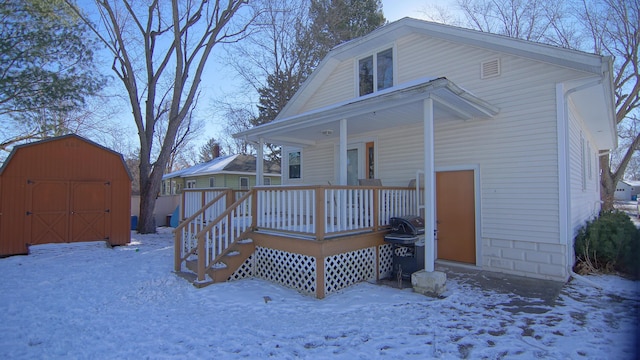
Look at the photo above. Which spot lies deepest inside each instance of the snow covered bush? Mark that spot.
(611, 242)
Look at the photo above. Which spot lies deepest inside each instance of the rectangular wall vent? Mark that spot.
(489, 69)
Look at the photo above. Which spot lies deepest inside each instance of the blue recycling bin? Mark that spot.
(134, 222)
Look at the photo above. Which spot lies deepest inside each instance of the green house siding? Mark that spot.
(231, 181)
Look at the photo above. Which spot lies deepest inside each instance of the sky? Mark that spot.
(397, 9)
(89, 301)
(392, 9)
(220, 82)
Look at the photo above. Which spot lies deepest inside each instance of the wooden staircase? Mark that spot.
(226, 264)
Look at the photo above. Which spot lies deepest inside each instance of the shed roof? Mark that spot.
(59, 138)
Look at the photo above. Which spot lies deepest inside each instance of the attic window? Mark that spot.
(375, 72)
(489, 69)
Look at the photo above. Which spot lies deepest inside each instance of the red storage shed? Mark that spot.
(60, 190)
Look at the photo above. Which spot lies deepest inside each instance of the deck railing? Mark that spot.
(315, 212)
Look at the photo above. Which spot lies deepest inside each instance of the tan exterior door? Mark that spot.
(47, 204)
(456, 220)
(64, 211)
(90, 211)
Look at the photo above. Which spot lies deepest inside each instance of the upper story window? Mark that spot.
(375, 72)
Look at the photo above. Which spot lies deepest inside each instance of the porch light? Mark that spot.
(327, 132)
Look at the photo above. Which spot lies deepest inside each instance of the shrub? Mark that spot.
(610, 242)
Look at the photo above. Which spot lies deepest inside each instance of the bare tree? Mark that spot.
(614, 28)
(159, 51)
(607, 27)
(238, 118)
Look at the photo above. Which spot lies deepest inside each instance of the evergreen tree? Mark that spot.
(46, 66)
(331, 22)
(334, 22)
(210, 150)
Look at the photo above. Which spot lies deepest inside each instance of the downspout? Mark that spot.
(563, 173)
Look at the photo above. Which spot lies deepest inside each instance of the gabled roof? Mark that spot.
(573, 59)
(597, 102)
(231, 164)
(59, 138)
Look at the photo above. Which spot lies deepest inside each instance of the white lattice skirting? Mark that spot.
(299, 271)
(288, 269)
(385, 266)
(244, 271)
(346, 269)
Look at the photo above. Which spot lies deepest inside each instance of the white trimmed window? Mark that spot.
(212, 182)
(244, 183)
(294, 164)
(191, 184)
(375, 72)
(266, 181)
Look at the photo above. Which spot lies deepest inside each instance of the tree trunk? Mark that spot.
(607, 184)
(146, 222)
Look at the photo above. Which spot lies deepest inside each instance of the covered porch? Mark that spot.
(418, 104)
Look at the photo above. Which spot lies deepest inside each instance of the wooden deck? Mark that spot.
(316, 239)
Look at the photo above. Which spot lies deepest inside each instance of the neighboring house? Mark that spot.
(507, 131)
(627, 190)
(237, 172)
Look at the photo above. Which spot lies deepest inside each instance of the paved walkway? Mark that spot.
(529, 295)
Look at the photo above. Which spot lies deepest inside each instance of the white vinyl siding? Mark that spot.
(585, 191)
(317, 165)
(515, 152)
(338, 87)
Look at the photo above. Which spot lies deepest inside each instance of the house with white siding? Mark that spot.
(627, 190)
(503, 136)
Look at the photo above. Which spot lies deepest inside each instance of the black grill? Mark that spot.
(407, 241)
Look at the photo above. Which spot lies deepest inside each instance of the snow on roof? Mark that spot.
(631, 182)
(216, 165)
(238, 163)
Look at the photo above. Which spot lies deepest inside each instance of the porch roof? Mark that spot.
(398, 106)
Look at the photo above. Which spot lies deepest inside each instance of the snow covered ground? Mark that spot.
(87, 301)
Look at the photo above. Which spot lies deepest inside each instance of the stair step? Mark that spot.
(233, 253)
(245, 241)
(219, 265)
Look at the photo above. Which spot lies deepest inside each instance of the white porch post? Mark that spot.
(429, 281)
(342, 166)
(429, 187)
(260, 162)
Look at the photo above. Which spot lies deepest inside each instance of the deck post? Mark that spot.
(376, 209)
(254, 208)
(202, 259)
(177, 250)
(320, 218)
